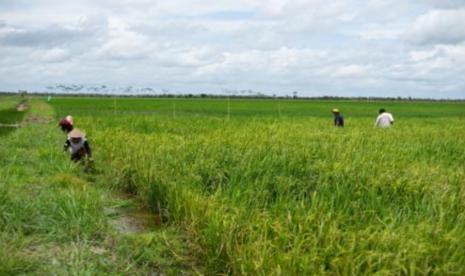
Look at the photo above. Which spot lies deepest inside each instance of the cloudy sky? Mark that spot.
(316, 47)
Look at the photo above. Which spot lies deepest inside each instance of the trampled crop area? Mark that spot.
(272, 187)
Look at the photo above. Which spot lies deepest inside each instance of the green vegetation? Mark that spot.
(8, 114)
(244, 186)
(57, 220)
(102, 107)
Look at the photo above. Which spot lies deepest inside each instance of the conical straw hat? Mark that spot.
(76, 133)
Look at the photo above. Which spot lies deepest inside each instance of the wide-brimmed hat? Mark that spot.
(76, 133)
(335, 110)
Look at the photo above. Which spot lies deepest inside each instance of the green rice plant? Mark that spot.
(269, 192)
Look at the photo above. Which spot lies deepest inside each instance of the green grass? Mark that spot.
(53, 219)
(272, 188)
(8, 113)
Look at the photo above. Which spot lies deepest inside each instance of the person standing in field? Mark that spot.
(66, 124)
(384, 119)
(78, 146)
(338, 119)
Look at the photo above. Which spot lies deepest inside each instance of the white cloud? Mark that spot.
(447, 4)
(55, 55)
(351, 70)
(312, 46)
(438, 27)
(440, 57)
(379, 33)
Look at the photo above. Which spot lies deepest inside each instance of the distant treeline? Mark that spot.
(232, 96)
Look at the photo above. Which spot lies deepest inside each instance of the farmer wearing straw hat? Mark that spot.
(338, 119)
(66, 124)
(78, 146)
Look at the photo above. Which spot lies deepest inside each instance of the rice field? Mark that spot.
(271, 187)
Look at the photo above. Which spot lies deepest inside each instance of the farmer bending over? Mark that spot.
(338, 119)
(78, 146)
(66, 124)
(384, 119)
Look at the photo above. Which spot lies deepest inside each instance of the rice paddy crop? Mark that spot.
(271, 187)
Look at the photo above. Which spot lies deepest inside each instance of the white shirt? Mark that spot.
(74, 148)
(384, 120)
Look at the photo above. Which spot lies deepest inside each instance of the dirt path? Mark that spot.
(10, 125)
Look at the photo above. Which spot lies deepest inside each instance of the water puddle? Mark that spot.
(132, 221)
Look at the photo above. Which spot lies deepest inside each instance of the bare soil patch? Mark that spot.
(128, 220)
(22, 107)
(37, 119)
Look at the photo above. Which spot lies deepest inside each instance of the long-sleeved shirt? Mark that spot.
(384, 120)
(338, 120)
(75, 148)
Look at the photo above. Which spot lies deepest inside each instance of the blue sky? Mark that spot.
(340, 47)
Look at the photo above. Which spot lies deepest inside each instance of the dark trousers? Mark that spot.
(78, 156)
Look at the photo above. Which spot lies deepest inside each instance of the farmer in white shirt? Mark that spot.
(384, 119)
